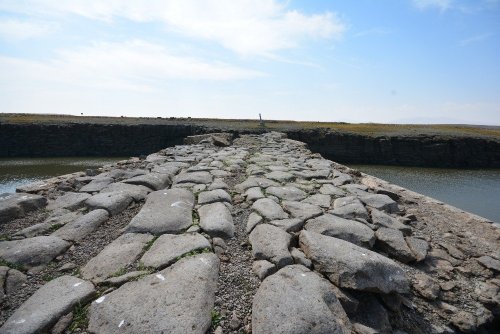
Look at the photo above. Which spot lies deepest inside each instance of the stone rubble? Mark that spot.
(251, 235)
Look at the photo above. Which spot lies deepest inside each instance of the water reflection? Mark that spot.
(18, 171)
(473, 190)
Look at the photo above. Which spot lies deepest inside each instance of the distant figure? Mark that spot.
(81, 114)
(261, 121)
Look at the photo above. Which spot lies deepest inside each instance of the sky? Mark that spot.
(384, 61)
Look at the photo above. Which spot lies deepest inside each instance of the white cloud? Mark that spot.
(439, 4)
(247, 27)
(474, 39)
(14, 29)
(135, 65)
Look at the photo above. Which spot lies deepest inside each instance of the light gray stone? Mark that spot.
(216, 220)
(82, 226)
(301, 210)
(115, 257)
(119, 280)
(289, 225)
(212, 196)
(271, 243)
(330, 189)
(218, 184)
(490, 262)
(287, 193)
(426, 286)
(255, 182)
(341, 179)
(70, 201)
(393, 243)
(380, 218)
(380, 202)
(321, 200)
(113, 202)
(165, 211)
(353, 267)
(194, 177)
(169, 247)
(253, 194)
(269, 209)
(280, 176)
(154, 181)
(300, 258)
(349, 230)
(263, 268)
(49, 303)
(137, 192)
(17, 205)
(419, 248)
(32, 252)
(33, 230)
(349, 207)
(96, 185)
(297, 300)
(178, 299)
(253, 220)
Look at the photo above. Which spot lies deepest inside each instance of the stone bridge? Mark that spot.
(258, 236)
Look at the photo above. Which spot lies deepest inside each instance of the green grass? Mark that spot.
(216, 318)
(16, 266)
(119, 272)
(193, 253)
(80, 317)
(149, 243)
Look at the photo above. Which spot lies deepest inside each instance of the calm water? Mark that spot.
(473, 190)
(18, 171)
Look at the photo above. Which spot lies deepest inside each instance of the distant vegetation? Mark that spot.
(371, 129)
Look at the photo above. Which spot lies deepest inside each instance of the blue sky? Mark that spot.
(388, 61)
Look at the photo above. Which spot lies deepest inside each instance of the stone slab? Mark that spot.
(353, 267)
(137, 192)
(269, 209)
(82, 226)
(297, 300)
(169, 247)
(32, 252)
(115, 257)
(70, 201)
(178, 299)
(165, 211)
(216, 220)
(271, 243)
(154, 181)
(113, 202)
(53, 300)
(212, 196)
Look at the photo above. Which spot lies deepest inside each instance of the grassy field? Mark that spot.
(370, 129)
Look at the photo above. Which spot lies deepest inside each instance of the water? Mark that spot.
(18, 171)
(473, 190)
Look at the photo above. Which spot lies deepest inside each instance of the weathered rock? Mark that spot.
(70, 201)
(289, 225)
(321, 200)
(349, 230)
(271, 243)
(137, 192)
(113, 202)
(380, 218)
(53, 300)
(96, 184)
(426, 286)
(165, 211)
(18, 204)
(269, 209)
(341, 179)
(178, 299)
(33, 230)
(349, 207)
(296, 300)
(300, 258)
(168, 248)
(14, 281)
(280, 176)
(330, 189)
(218, 184)
(32, 252)
(83, 226)
(419, 247)
(115, 257)
(393, 242)
(490, 262)
(353, 267)
(253, 194)
(253, 220)
(194, 177)
(62, 324)
(212, 196)
(216, 220)
(154, 181)
(255, 182)
(263, 268)
(464, 321)
(301, 210)
(287, 193)
(372, 314)
(119, 280)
